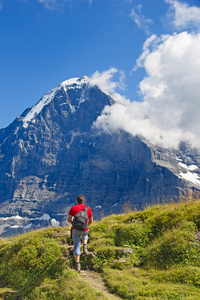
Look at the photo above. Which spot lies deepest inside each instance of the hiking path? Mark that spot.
(95, 279)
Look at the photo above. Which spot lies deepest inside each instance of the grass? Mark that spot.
(137, 283)
(67, 285)
(164, 262)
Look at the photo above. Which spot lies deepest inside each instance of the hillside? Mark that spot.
(149, 254)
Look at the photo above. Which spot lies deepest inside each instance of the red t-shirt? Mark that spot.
(75, 209)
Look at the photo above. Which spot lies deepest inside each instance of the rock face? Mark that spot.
(52, 152)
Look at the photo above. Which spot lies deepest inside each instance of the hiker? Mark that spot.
(80, 216)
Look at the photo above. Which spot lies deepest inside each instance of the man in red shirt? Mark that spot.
(76, 234)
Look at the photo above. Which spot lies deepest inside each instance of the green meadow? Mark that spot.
(149, 254)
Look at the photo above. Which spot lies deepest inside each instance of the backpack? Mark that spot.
(80, 220)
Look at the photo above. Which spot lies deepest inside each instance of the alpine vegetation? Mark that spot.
(149, 254)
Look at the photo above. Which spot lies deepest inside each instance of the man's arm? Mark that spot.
(69, 219)
(90, 220)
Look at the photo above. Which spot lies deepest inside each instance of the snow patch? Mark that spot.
(27, 227)
(98, 206)
(44, 217)
(13, 217)
(192, 177)
(75, 82)
(46, 99)
(15, 226)
(191, 167)
(16, 130)
(73, 108)
(189, 175)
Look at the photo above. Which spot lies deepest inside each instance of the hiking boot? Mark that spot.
(85, 250)
(78, 267)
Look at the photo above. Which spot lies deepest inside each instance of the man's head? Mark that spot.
(80, 199)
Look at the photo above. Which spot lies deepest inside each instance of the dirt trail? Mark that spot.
(97, 282)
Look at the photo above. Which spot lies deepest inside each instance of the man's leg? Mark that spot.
(85, 240)
(77, 258)
(77, 245)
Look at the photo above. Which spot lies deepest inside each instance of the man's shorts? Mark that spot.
(77, 236)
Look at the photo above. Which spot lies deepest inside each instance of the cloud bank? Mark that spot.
(169, 112)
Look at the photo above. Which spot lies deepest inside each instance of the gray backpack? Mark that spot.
(80, 221)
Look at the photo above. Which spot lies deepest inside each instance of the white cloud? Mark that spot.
(182, 15)
(105, 80)
(109, 82)
(55, 223)
(141, 21)
(57, 4)
(145, 52)
(49, 4)
(1, 5)
(169, 112)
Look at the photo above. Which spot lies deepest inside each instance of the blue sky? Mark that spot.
(44, 42)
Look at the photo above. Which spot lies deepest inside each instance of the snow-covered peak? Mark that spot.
(73, 83)
(101, 81)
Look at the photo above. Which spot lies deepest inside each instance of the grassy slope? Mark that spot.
(164, 264)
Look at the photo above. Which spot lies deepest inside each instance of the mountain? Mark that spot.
(53, 152)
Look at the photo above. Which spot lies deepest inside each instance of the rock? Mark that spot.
(89, 254)
(124, 251)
